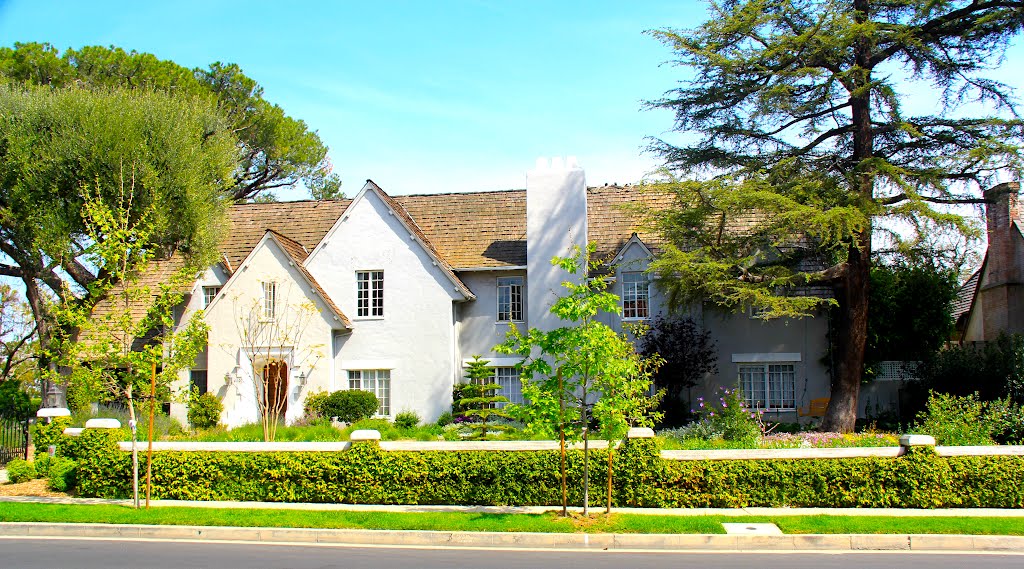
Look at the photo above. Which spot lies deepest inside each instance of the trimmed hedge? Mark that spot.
(366, 474)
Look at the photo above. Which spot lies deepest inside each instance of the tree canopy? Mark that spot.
(173, 156)
(277, 151)
(801, 152)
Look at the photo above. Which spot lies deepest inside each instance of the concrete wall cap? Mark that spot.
(73, 431)
(103, 424)
(640, 433)
(364, 435)
(53, 412)
(917, 441)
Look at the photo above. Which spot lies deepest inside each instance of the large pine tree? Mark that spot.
(799, 151)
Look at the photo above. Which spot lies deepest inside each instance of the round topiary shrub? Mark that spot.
(204, 410)
(351, 405)
(19, 471)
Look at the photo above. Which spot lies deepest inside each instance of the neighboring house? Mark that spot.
(991, 301)
(404, 290)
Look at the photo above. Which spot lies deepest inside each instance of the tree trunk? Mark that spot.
(852, 291)
(850, 329)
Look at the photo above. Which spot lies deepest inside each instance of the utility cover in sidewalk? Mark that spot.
(752, 529)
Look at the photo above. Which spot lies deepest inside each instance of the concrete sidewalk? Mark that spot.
(666, 542)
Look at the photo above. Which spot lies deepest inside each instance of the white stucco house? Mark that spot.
(395, 294)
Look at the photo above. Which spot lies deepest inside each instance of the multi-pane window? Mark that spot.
(510, 299)
(370, 293)
(377, 382)
(269, 300)
(635, 295)
(768, 386)
(209, 293)
(511, 385)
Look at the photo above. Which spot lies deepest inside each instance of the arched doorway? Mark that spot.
(275, 388)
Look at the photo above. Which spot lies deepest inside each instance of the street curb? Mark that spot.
(415, 538)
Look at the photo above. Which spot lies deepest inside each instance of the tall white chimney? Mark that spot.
(556, 220)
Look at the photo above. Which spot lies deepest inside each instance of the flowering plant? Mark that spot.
(729, 416)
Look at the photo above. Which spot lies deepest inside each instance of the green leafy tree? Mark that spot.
(567, 369)
(910, 315)
(114, 350)
(480, 399)
(626, 401)
(276, 151)
(174, 154)
(801, 150)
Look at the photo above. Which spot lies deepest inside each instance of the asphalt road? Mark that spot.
(19, 553)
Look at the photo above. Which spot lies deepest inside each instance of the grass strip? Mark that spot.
(438, 521)
(890, 525)
(479, 522)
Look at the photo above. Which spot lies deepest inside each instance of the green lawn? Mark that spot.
(547, 523)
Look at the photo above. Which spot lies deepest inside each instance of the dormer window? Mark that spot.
(209, 293)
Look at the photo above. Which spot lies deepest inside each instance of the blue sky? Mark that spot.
(422, 97)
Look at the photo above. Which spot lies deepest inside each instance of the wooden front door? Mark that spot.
(275, 383)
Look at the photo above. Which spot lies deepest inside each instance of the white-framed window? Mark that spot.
(209, 293)
(770, 386)
(511, 385)
(269, 300)
(370, 293)
(377, 382)
(635, 295)
(510, 299)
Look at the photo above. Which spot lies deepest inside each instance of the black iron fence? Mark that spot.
(13, 440)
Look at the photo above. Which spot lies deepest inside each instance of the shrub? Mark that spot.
(45, 435)
(366, 474)
(63, 474)
(955, 420)
(407, 420)
(19, 470)
(351, 405)
(204, 410)
(42, 464)
(314, 407)
(445, 419)
(729, 417)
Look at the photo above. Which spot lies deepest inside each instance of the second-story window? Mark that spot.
(269, 300)
(635, 295)
(370, 293)
(510, 299)
(209, 293)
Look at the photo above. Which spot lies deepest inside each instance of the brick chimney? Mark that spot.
(1001, 296)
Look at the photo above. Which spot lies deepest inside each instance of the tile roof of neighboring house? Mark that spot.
(965, 296)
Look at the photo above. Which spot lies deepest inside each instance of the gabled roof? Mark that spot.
(296, 254)
(410, 225)
(304, 222)
(965, 296)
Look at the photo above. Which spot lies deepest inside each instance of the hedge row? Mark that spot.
(366, 474)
